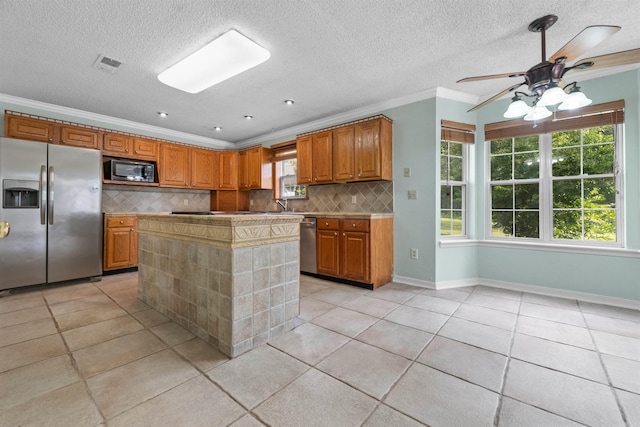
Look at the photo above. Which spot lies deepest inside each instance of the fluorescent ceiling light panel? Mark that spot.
(228, 55)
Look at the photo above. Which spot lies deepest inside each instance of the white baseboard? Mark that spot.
(541, 290)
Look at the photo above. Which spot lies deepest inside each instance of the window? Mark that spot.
(453, 177)
(558, 187)
(285, 168)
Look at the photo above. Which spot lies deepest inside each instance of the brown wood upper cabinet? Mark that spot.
(80, 137)
(174, 165)
(116, 145)
(255, 169)
(145, 149)
(343, 153)
(228, 170)
(28, 128)
(203, 168)
(322, 157)
(304, 150)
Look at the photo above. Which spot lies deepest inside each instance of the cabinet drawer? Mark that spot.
(355, 225)
(121, 222)
(328, 224)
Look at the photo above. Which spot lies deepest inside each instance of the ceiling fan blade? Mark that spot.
(492, 76)
(497, 96)
(610, 60)
(585, 40)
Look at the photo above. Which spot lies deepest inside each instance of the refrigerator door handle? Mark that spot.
(43, 194)
(51, 193)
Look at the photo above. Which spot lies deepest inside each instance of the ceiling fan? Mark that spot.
(546, 78)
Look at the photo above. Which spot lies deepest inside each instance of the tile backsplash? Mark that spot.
(371, 197)
(125, 198)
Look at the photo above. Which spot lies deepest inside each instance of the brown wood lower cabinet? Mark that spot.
(120, 242)
(360, 250)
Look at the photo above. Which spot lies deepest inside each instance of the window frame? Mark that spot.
(464, 184)
(545, 195)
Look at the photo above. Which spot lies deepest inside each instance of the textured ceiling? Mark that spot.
(330, 56)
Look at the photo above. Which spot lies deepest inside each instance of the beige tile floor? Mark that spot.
(92, 354)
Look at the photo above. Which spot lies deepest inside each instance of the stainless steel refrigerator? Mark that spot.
(51, 199)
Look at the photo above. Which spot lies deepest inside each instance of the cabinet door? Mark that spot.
(343, 152)
(243, 170)
(202, 168)
(174, 165)
(30, 129)
(355, 256)
(322, 157)
(228, 171)
(327, 246)
(254, 168)
(368, 150)
(115, 144)
(121, 247)
(304, 150)
(80, 137)
(145, 149)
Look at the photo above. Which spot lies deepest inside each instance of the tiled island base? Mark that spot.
(232, 281)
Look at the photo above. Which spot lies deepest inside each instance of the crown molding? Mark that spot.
(108, 120)
(362, 112)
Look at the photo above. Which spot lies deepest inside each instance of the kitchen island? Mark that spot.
(233, 280)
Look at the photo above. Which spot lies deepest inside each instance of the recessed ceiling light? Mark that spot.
(217, 128)
(228, 55)
(248, 117)
(289, 101)
(162, 114)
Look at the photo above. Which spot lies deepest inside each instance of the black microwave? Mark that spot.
(129, 170)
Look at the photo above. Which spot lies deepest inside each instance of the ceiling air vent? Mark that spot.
(109, 65)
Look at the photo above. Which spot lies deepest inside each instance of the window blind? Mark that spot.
(457, 132)
(283, 151)
(591, 116)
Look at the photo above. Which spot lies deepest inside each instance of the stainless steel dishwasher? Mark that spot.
(308, 245)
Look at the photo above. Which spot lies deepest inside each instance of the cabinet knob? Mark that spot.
(344, 235)
(136, 151)
(132, 229)
(350, 176)
(359, 174)
(308, 179)
(326, 224)
(353, 224)
(63, 142)
(50, 139)
(121, 222)
(126, 151)
(316, 178)
(335, 233)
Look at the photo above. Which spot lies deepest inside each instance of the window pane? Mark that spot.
(502, 224)
(456, 223)
(526, 143)
(566, 162)
(445, 197)
(599, 193)
(598, 159)
(455, 171)
(445, 223)
(502, 197)
(444, 168)
(455, 149)
(565, 139)
(444, 148)
(456, 197)
(600, 225)
(598, 135)
(526, 166)
(527, 224)
(527, 196)
(567, 225)
(501, 146)
(567, 194)
(500, 168)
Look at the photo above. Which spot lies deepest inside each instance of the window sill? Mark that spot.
(549, 247)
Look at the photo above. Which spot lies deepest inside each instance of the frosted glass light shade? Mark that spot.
(575, 100)
(537, 113)
(552, 96)
(517, 108)
(228, 55)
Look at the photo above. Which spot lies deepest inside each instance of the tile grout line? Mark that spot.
(604, 368)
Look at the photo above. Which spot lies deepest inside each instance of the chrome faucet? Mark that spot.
(283, 203)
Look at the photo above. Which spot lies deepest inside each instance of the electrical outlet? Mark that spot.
(414, 253)
(407, 172)
(412, 194)
(354, 199)
(186, 202)
(251, 202)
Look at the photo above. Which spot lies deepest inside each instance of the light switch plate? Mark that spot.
(354, 199)
(407, 172)
(186, 202)
(412, 194)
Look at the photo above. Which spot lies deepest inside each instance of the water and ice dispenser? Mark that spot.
(20, 194)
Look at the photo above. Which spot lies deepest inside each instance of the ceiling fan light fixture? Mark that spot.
(552, 95)
(517, 108)
(538, 112)
(228, 55)
(575, 99)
